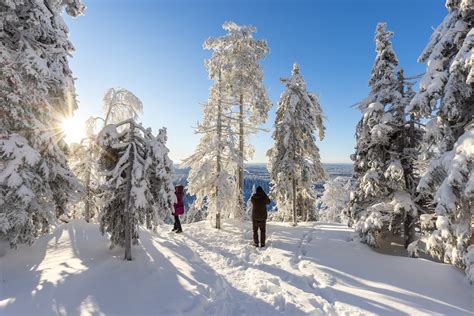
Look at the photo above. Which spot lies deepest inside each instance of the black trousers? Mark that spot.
(177, 223)
(256, 226)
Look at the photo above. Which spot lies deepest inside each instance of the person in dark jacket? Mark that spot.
(259, 216)
(178, 208)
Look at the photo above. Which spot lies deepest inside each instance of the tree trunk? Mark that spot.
(240, 195)
(218, 211)
(409, 230)
(218, 158)
(108, 114)
(293, 181)
(295, 215)
(87, 204)
(126, 211)
(409, 224)
(218, 220)
(305, 212)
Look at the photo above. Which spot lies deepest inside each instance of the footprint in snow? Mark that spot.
(279, 302)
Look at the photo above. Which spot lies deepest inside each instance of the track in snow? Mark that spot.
(313, 268)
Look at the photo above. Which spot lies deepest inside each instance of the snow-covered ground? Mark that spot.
(313, 268)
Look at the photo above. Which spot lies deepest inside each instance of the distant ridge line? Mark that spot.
(265, 164)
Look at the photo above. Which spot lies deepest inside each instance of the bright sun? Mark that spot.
(73, 130)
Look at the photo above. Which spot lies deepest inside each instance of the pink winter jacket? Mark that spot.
(179, 205)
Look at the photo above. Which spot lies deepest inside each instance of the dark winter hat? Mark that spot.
(179, 189)
(259, 190)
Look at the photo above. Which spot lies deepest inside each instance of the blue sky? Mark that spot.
(154, 49)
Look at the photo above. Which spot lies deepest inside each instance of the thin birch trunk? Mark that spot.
(127, 217)
(240, 195)
(218, 158)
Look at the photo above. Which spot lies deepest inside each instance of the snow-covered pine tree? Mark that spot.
(120, 104)
(161, 180)
(213, 165)
(37, 94)
(335, 200)
(194, 214)
(446, 98)
(23, 213)
(407, 147)
(294, 161)
(138, 181)
(381, 200)
(241, 73)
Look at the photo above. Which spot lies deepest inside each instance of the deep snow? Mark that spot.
(313, 268)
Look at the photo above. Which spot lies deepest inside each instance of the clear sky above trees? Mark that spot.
(154, 48)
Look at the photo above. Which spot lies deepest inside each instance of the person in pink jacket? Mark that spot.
(178, 208)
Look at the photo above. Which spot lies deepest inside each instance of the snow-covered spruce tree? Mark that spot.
(335, 200)
(23, 215)
(118, 105)
(213, 165)
(138, 181)
(241, 73)
(294, 161)
(446, 98)
(407, 148)
(37, 94)
(381, 200)
(162, 172)
(194, 214)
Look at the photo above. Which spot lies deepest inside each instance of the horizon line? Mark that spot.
(265, 163)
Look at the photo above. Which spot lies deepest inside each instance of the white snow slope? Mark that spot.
(310, 269)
